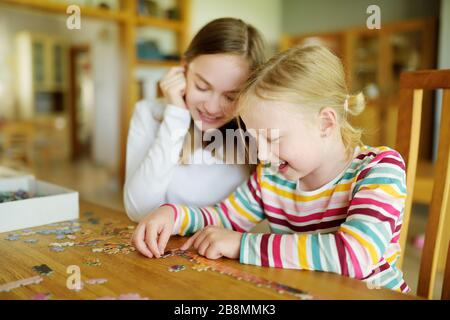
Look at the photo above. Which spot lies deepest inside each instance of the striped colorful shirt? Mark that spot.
(350, 226)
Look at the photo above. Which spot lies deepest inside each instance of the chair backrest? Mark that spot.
(412, 85)
(18, 143)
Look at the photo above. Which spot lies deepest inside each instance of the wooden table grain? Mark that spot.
(134, 273)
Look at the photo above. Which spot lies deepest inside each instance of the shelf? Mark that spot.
(148, 21)
(56, 7)
(158, 63)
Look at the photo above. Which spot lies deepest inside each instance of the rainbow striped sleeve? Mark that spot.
(356, 247)
(240, 211)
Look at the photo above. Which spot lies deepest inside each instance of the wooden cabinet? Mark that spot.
(41, 66)
(42, 88)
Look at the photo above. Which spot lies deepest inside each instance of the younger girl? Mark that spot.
(332, 203)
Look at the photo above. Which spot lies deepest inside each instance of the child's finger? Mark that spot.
(163, 239)
(203, 247)
(150, 240)
(139, 243)
(212, 253)
(189, 241)
(200, 239)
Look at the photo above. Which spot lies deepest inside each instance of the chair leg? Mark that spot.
(446, 284)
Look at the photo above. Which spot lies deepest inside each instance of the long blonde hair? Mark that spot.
(229, 36)
(311, 76)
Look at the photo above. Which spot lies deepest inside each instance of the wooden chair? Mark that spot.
(412, 85)
(446, 284)
(18, 144)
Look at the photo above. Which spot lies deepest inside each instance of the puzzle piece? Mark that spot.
(6, 287)
(42, 296)
(126, 296)
(12, 237)
(94, 220)
(201, 267)
(62, 244)
(26, 233)
(43, 269)
(96, 281)
(94, 262)
(177, 268)
(31, 241)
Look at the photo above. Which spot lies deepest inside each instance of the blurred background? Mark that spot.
(67, 95)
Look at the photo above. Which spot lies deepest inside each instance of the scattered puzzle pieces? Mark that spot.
(203, 264)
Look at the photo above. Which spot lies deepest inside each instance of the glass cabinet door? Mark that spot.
(58, 66)
(365, 69)
(38, 62)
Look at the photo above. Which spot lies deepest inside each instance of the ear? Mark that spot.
(327, 121)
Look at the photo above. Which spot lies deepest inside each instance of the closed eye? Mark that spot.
(230, 99)
(200, 88)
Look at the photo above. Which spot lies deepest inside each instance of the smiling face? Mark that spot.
(213, 83)
(295, 147)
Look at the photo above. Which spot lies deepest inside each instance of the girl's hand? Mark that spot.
(173, 86)
(215, 242)
(153, 232)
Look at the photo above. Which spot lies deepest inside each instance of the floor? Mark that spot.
(100, 185)
(93, 182)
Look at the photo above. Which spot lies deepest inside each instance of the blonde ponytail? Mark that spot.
(356, 104)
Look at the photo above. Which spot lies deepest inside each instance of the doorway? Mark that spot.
(81, 101)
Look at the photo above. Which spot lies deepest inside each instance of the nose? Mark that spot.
(265, 153)
(212, 106)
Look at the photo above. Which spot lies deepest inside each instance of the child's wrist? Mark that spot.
(174, 210)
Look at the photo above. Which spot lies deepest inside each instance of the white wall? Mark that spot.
(105, 53)
(104, 43)
(265, 15)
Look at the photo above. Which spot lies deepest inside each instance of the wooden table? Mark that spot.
(133, 273)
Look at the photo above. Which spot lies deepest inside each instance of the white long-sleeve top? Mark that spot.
(156, 135)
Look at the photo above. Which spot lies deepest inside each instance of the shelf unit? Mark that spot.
(129, 20)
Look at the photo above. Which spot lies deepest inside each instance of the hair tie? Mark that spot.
(346, 103)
